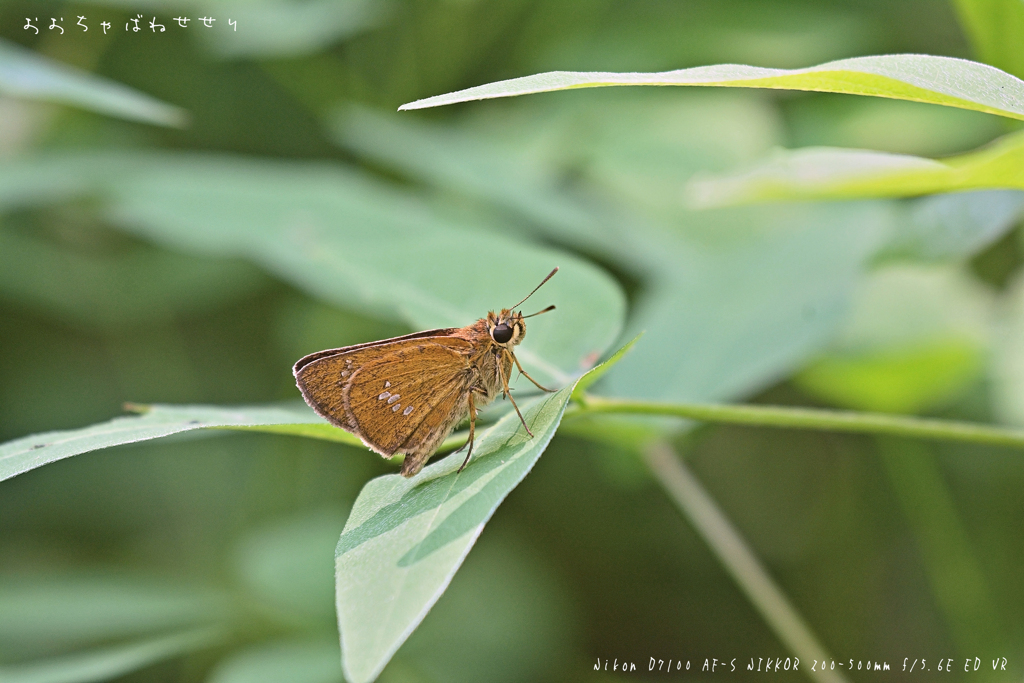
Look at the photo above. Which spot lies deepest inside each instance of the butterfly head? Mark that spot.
(506, 328)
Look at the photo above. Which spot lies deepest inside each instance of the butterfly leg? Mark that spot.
(472, 430)
(504, 384)
(498, 356)
(524, 373)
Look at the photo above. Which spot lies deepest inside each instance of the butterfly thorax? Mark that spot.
(493, 339)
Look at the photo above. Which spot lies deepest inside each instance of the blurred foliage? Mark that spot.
(296, 211)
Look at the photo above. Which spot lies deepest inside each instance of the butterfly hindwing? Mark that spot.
(322, 385)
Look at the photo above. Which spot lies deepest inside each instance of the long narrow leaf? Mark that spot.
(71, 609)
(27, 75)
(22, 455)
(827, 173)
(111, 662)
(920, 78)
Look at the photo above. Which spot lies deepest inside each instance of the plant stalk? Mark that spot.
(811, 418)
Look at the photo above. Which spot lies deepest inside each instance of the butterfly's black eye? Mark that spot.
(501, 333)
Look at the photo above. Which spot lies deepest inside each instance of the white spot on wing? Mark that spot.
(384, 396)
(387, 384)
(396, 407)
(407, 410)
(393, 398)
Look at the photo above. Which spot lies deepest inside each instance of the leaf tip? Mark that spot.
(595, 373)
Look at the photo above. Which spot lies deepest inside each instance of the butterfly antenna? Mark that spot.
(549, 308)
(550, 275)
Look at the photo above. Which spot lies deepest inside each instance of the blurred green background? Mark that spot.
(114, 287)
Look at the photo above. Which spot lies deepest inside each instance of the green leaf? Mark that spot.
(996, 30)
(22, 455)
(293, 661)
(923, 78)
(951, 227)
(905, 380)
(916, 337)
(584, 383)
(473, 164)
(27, 75)
(31, 181)
(127, 286)
(406, 538)
(746, 299)
(826, 173)
(358, 243)
(43, 611)
(288, 565)
(347, 239)
(110, 662)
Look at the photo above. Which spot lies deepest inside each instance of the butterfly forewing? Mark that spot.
(306, 360)
(406, 400)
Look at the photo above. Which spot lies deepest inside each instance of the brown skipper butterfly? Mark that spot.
(406, 394)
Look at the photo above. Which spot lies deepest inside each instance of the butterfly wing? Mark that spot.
(402, 395)
(306, 360)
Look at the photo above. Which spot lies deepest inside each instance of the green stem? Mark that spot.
(810, 418)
